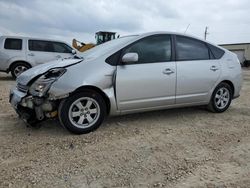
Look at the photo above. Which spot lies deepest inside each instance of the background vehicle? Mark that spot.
(242, 50)
(101, 37)
(18, 54)
(131, 74)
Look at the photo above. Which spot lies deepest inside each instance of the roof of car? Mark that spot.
(33, 38)
(170, 33)
(175, 33)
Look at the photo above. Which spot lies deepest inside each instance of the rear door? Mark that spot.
(197, 70)
(150, 82)
(13, 48)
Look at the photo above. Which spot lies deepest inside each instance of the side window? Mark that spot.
(13, 44)
(217, 52)
(40, 45)
(190, 49)
(61, 47)
(152, 49)
(113, 59)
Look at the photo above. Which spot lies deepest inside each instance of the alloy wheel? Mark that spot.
(84, 112)
(19, 69)
(222, 98)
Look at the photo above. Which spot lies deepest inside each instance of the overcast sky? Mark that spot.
(228, 20)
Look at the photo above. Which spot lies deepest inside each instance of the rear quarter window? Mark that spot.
(13, 44)
(216, 52)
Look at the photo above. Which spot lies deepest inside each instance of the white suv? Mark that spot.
(18, 54)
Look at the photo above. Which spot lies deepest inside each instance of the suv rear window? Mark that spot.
(13, 44)
(48, 46)
(40, 45)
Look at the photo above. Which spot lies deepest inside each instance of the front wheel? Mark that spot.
(221, 98)
(82, 112)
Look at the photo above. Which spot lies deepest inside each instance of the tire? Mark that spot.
(247, 63)
(221, 98)
(82, 112)
(18, 68)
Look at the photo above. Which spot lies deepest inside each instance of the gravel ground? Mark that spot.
(188, 147)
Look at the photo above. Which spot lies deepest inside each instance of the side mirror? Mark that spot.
(130, 58)
(73, 52)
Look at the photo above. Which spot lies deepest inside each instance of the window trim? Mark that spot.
(13, 49)
(124, 48)
(176, 51)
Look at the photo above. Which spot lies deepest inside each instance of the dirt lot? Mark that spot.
(173, 148)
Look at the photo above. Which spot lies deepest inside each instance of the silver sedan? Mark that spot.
(131, 74)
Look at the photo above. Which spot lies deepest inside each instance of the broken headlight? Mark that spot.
(40, 87)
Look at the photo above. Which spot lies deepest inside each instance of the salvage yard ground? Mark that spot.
(187, 147)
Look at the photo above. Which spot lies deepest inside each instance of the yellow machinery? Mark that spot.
(101, 37)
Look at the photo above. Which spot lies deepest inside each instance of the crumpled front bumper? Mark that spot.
(16, 97)
(31, 109)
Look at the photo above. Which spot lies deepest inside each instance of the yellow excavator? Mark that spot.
(101, 37)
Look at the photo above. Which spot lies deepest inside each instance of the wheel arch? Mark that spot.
(18, 61)
(230, 84)
(98, 90)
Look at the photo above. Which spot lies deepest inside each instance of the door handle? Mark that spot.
(168, 71)
(214, 68)
(58, 56)
(31, 54)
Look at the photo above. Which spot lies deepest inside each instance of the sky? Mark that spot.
(228, 21)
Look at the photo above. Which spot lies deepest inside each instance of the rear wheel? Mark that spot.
(221, 98)
(18, 68)
(82, 112)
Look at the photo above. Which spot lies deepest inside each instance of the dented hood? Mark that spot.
(28, 75)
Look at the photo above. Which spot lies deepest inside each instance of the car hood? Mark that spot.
(28, 75)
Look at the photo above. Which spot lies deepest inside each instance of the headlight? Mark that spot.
(43, 83)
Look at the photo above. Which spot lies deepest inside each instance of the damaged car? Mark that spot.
(151, 71)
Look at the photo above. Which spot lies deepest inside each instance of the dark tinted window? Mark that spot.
(40, 45)
(191, 49)
(217, 52)
(13, 44)
(61, 47)
(152, 49)
(113, 59)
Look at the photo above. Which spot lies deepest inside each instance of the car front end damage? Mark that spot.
(32, 102)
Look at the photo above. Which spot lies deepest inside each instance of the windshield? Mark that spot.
(106, 47)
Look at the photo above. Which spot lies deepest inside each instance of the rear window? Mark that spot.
(217, 52)
(13, 44)
(48, 46)
(40, 45)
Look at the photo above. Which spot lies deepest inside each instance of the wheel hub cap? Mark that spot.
(222, 97)
(84, 112)
(20, 69)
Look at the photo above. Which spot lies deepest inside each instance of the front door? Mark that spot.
(62, 50)
(150, 82)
